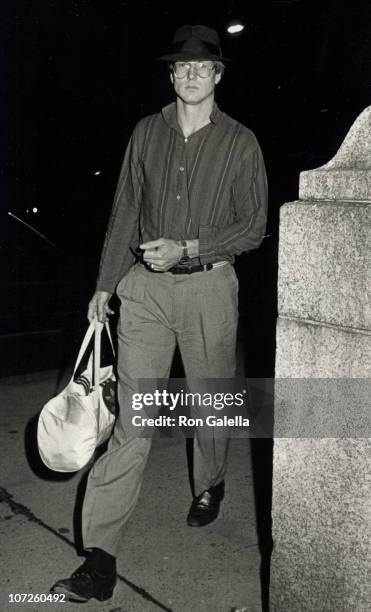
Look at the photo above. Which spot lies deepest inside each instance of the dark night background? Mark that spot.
(77, 75)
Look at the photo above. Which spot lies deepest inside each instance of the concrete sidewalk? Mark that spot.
(163, 565)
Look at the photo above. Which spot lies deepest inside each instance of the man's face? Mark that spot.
(192, 88)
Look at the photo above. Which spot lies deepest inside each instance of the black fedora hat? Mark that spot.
(194, 42)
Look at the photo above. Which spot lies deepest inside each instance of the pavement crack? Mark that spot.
(17, 508)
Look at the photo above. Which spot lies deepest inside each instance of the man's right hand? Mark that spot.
(98, 306)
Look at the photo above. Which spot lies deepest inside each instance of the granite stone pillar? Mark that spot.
(321, 494)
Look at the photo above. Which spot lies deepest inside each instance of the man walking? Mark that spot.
(191, 195)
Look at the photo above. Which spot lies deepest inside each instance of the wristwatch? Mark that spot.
(185, 257)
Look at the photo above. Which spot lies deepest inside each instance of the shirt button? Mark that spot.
(186, 140)
(181, 168)
(178, 197)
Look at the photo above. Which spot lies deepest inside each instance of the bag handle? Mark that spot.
(108, 330)
(98, 328)
(84, 345)
(96, 352)
(95, 326)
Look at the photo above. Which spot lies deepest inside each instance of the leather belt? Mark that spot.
(184, 269)
(187, 268)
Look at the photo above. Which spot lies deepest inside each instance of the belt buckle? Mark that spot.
(185, 266)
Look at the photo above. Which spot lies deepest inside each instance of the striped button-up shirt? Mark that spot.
(211, 186)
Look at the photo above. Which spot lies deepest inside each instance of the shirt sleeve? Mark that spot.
(117, 258)
(246, 232)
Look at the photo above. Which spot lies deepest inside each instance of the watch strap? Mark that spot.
(185, 257)
(185, 249)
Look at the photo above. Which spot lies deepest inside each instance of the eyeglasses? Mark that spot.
(202, 69)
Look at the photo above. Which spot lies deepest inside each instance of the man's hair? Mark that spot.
(219, 66)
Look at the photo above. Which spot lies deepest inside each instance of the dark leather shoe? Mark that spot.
(205, 507)
(86, 583)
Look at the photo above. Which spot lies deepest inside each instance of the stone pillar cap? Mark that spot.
(347, 176)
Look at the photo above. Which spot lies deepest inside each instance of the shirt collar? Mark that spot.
(169, 114)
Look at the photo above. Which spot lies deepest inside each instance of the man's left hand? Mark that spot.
(162, 254)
